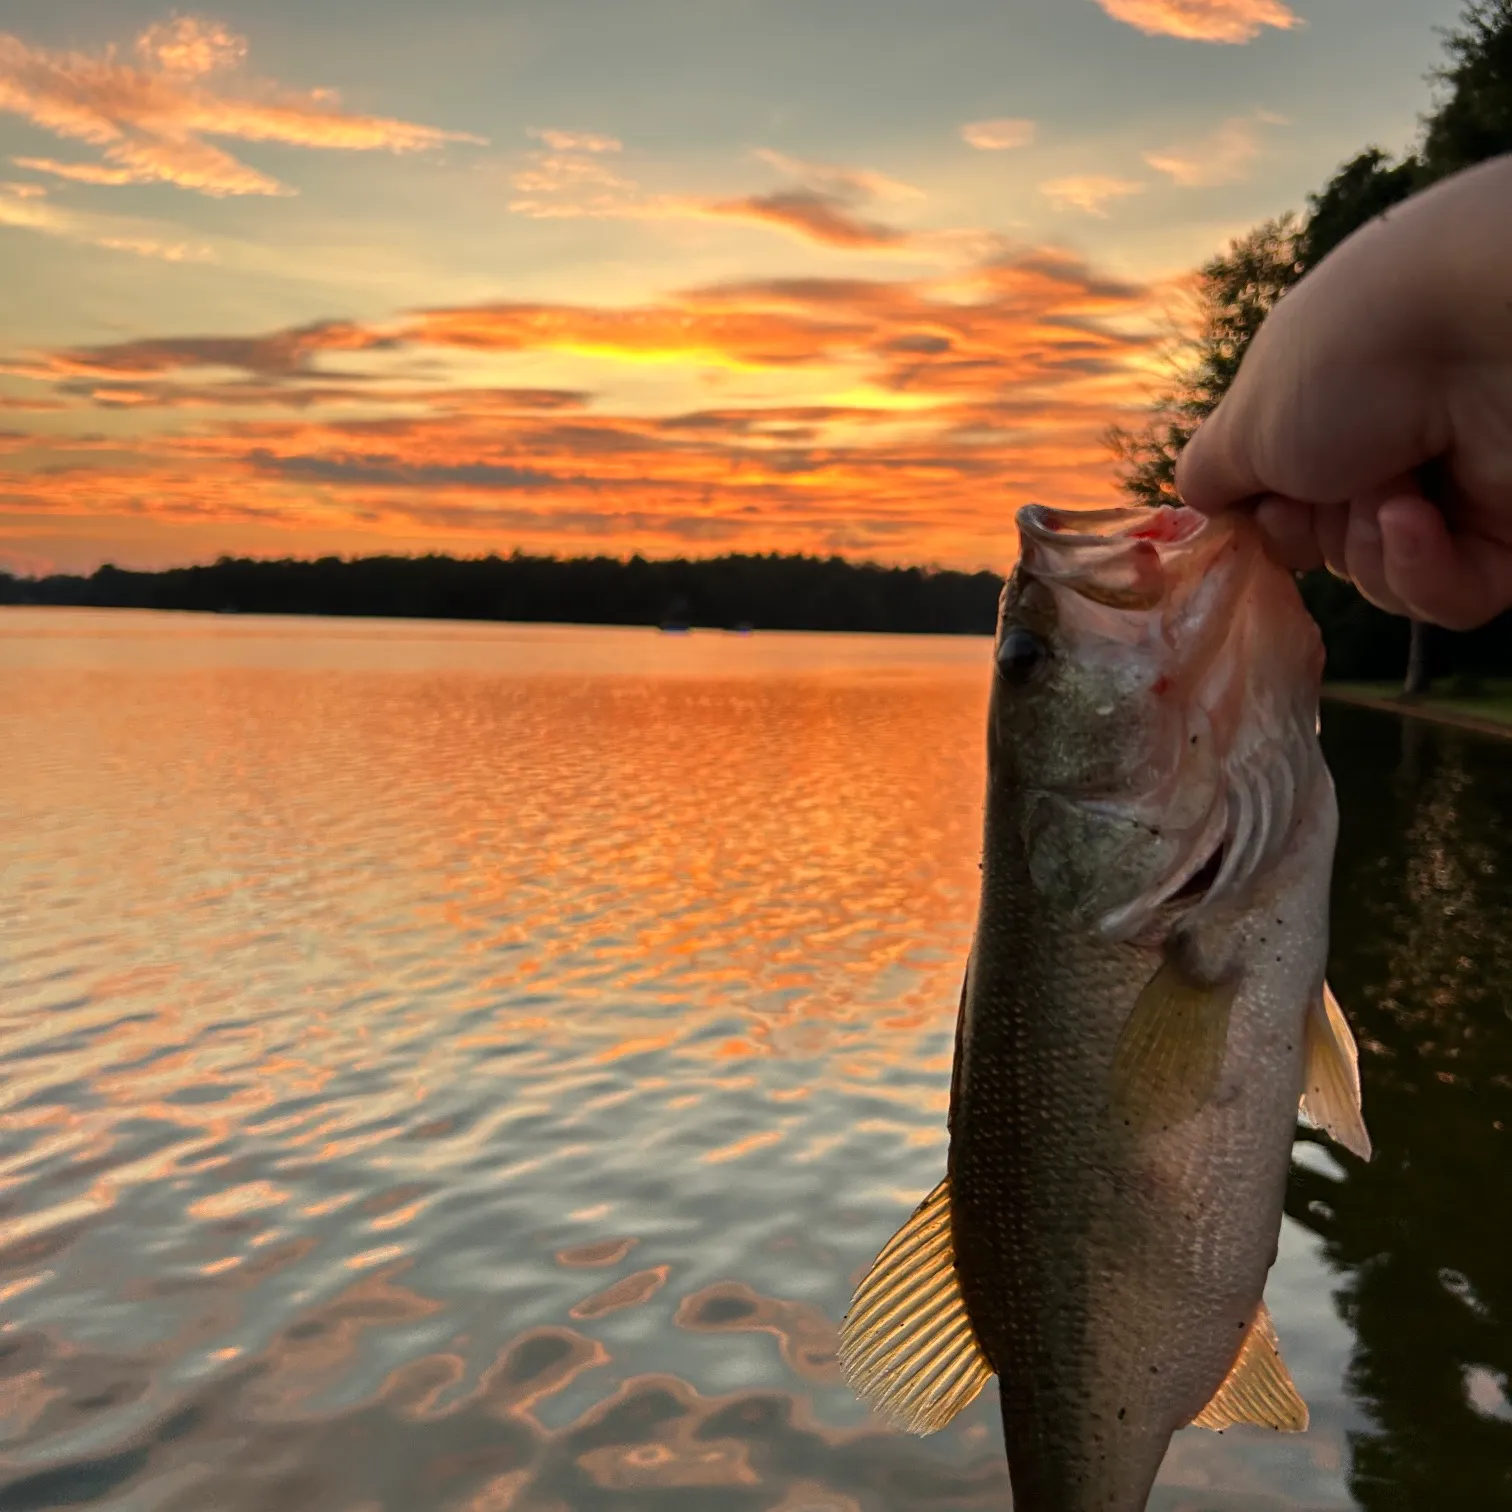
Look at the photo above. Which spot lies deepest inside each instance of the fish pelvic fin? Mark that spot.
(1331, 1092)
(1259, 1388)
(1170, 1054)
(907, 1346)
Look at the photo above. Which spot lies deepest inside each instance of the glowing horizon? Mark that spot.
(263, 315)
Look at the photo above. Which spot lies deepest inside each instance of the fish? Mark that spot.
(1144, 1015)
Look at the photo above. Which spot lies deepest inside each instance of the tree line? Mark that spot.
(731, 592)
(1470, 120)
(768, 592)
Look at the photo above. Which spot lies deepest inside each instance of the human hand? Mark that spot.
(1370, 424)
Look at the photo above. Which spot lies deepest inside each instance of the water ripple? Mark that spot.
(467, 1067)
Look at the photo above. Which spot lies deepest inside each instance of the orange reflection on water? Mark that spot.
(630, 1291)
(807, 1338)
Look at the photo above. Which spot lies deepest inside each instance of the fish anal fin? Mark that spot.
(1170, 1053)
(1259, 1388)
(907, 1346)
(1331, 1091)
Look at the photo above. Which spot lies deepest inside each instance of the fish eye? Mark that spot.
(1020, 656)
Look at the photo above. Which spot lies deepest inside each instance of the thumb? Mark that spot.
(1215, 470)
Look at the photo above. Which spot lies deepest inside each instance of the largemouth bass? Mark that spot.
(1143, 1011)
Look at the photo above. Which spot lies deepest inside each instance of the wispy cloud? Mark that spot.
(578, 141)
(833, 178)
(285, 354)
(1202, 20)
(575, 175)
(811, 214)
(579, 175)
(1224, 157)
(151, 119)
(999, 134)
(1091, 192)
(935, 407)
(26, 207)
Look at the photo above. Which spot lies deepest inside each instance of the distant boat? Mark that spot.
(673, 627)
(745, 627)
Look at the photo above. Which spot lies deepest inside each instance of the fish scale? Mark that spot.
(1139, 1022)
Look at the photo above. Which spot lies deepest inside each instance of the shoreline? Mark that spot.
(1436, 713)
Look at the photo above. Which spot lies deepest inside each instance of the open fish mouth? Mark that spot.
(1166, 525)
(1121, 558)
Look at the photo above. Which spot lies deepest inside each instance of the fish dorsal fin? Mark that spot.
(1331, 1092)
(1170, 1053)
(907, 1346)
(1259, 1388)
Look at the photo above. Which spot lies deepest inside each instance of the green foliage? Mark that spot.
(1365, 187)
(1473, 121)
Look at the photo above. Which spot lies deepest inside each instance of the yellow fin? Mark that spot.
(1170, 1054)
(1331, 1093)
(907, 1347)
(1259, 1388)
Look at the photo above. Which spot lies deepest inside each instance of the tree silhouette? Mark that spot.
(764, 592)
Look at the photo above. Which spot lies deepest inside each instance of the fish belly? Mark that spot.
(1109, 1281)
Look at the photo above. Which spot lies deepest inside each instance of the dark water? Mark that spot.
(466, 1067)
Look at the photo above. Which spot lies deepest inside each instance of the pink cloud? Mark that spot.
(150, 119)
(1202, 20)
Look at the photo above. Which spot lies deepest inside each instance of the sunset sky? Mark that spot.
(669, 276)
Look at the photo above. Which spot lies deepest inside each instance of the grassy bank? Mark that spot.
(1488, 710)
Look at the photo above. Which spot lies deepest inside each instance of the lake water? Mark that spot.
(467, 1067)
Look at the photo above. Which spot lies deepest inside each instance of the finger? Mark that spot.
(1459, 582)
(1365, 557)
(1330, 522)
(1290, 535)
(1213, 473)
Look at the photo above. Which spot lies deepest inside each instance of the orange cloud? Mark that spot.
(151, 119)
(1090, 192)
(1000, 134)
(1223, 158)
(940, 406)
(578, 141)
(812, 215)
(1202, 20)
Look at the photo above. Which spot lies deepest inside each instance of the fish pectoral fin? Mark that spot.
(1170, 1053)
(1259, 1388)
(907, 1346)
(1331, 1092)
